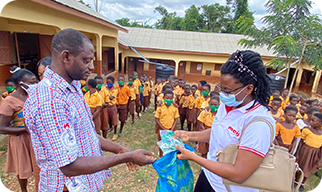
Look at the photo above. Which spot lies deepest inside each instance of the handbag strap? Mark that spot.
(256, 120)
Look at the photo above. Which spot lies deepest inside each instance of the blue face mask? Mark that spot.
(109, 84)
(230, 99)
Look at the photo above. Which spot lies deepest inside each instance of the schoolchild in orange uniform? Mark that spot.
(122, 99)
(166, 116)
(184, 105)
(95, 102)
(146, 90)
(134, 96)
(276, 109)
(137, 83)
(112, 108)
(287, 131)
(309, 152)
(206, 118)
(192, 110)
(104, 93)
(204, 97)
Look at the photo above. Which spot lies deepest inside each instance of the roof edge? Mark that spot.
(191, 52)
(61, 7)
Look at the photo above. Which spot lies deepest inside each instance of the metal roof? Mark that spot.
(219, 43)
(73, 4)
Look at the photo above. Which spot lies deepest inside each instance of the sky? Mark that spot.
(143, 10)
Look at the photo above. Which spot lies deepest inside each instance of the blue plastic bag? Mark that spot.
(175, 175)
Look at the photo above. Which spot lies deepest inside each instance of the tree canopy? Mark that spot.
(291, 31)
(206, 18)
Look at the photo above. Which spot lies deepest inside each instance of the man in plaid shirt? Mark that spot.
(67, 148)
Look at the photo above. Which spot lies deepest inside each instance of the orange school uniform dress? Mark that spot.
(279, 114)
(285, 137)
(309, 152)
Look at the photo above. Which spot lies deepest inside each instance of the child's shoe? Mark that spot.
(114, 137)
(120, 133)
(132, 123)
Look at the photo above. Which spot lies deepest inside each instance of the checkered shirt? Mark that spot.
(61, 129)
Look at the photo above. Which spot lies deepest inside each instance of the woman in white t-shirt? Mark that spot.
(244, 95)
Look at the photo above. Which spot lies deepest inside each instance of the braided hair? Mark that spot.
(18, 74)
(248, 68)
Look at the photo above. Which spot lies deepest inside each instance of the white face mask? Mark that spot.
(29, 87)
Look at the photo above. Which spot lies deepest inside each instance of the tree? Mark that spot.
(124, 22)
(216, 18)
(240, 9)
(291, 31)
(127, 23)
(192, 19)
(167, 18)
(82, 2)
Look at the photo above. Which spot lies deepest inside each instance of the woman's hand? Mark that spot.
(185, 154)
(184, 135)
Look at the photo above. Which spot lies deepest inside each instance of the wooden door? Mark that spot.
(45, 45)
(182, 70)
(5, 47)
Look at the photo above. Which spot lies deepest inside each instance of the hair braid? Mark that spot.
(254, 73)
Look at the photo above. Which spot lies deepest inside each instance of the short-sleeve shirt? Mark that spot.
(137, 83)
(227, 128)
(61, 129)
(146, 89)
(93, 100)
(191, 101)
(112, 92)
(311, 139)
(287, 135)
(167, 115)
(5, 94)
(206, 117)
(134, 92)
(13, 107)
(199, 101)
(104, 93)
(179, 90)
(184, 101)
(279, 114)
(123, 95)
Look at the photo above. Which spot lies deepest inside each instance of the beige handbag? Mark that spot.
(275, 173)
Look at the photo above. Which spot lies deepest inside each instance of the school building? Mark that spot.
(27, 27)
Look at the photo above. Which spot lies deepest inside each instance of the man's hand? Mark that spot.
(131, 166)
(142, 157)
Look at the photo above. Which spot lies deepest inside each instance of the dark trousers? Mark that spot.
(203, 184)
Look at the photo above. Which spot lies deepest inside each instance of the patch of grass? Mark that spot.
(138, 136)
(3, 148)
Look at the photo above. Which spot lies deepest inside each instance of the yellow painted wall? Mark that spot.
(24, 10)
(108, 41)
